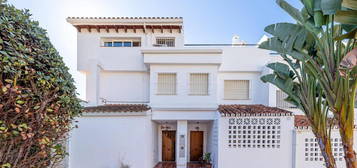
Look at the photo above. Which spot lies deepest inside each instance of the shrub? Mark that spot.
(38, 100)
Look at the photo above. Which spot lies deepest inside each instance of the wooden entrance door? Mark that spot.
(168, 145)
(196, 145)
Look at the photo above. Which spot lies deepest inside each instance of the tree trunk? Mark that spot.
(326, 151)
(346, 126)
(350, 154)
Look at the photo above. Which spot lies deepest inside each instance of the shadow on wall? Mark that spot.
(122, 163)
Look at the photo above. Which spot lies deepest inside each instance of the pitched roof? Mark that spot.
(118, 108)
(256, 109)
(301, 121)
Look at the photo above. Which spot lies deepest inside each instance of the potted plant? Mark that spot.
(207, 160)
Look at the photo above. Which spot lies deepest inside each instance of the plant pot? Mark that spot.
(208, 165)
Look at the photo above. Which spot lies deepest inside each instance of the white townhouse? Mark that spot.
(153, 101)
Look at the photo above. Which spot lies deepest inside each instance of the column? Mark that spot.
(92, 83)
(181, 144)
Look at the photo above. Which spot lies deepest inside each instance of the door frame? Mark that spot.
(162, 145)
(203, 143)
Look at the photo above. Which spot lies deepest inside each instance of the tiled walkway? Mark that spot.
(173, 165)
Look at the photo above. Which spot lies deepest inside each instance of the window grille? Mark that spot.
(165, 42)
(280, 100)
(254, 132)
(199, 84)
(166, 84)
(236, 89)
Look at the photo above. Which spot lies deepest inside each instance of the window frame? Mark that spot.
(157, 84)
(164, 38)
(249, 89)
(123, 41)
(189, 84)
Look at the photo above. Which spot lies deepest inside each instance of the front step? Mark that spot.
(189, 165)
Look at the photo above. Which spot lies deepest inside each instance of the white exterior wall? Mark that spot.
(303, 157)
(107, 140)
(183, 98)
(133, 86)
(230, 157)
(257, 89)
(213, 142)
(244, 59)
(89, 46)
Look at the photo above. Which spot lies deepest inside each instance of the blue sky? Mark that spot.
(205, 21)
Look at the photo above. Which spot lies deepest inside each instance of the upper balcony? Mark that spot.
(182, 56)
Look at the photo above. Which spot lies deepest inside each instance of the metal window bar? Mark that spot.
(199, 84)
(166, 84)
(165, 42)
(280, 100)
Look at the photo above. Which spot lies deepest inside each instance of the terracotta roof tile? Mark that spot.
(118, 108)
(256, 109)
(301, 121)
(124, 17)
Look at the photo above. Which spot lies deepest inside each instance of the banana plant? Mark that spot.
(305, 93)
(322, 44)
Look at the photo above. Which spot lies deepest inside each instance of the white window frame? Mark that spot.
(119, 40)
(249, 89)
(189, 84)
(157, 84)
(164, 38)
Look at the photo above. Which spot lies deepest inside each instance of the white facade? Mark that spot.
(129, 75)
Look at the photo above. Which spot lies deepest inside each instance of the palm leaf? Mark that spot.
(347, 17)
(330, 7)
(275, 44)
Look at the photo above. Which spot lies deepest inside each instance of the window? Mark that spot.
(199, 84)
(117, 44)
(108, 44)
(165, 42)
(280, 100)
(236, 89)
(127, 42)
(166, 84)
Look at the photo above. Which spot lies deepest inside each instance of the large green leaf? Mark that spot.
(286, 85)
(347, 17)
(293, 12)
(330, 7)
(309, 5)
(292, 35)
(280, 67)
(275, 44)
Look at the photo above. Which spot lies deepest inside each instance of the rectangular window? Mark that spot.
(127, 44)
(136, 43)
(236, 89)
(121, 42)
(165, 42)
(117, 44)
(280, 100)
(199, 84)
(108, 44)
(166, 84)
